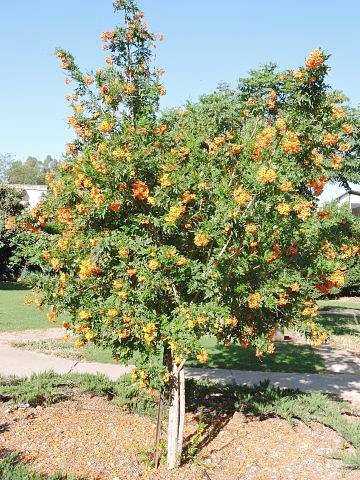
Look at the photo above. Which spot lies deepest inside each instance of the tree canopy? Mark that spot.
(161, 228)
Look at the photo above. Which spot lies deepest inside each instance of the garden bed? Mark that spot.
(95, 429)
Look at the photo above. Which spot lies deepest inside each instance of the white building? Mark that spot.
(351, 198)
(32, 194)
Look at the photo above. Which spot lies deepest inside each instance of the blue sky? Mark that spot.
(207, 42)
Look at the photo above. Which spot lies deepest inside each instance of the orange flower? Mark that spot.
(338, 112)
(251, 228)
(344, 147)
(328, 250)
(299, 74)
(10, 223)
(254, 300)
(162, 90)
(330, 139)
(201, 239)
(235, 149)
(106, 126)
(108, 36)
(165, 180)
(104, 89)
(275, 253)
(314, 59)
(318, 185)
(129, 88)
(316, 157)
(310, 309)
(285, 186)
(160, 129)
(336, 161)
(187, 197)
(88, 80)
(291, 143)
(283, 299)
(324, 214)
(88, 269)
(263, 140)
(115, 206)
(71, 149)
(181, 152)
(295, 287)
(64, 215)
(266, 175)
(284, 209)
(337, 278)
(347, 128)
(280, 124)
(271, 100)
(241, 196)
(140, 191)
(303, 210)
(55, 264)
(52, 316)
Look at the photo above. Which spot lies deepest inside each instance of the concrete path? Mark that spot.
(14, 361)
(341, 312)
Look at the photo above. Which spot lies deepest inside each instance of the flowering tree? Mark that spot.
(161, 229)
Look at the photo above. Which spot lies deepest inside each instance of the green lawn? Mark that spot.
(340, 303)
(66, 349)
(288, 357)
(14, 314)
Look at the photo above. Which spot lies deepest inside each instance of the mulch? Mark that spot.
(92, 438)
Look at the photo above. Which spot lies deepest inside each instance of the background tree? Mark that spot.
(30, 172)
(5, 161)
(205, 221)
(10, 207)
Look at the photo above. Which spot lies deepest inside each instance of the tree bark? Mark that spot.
(181, 377)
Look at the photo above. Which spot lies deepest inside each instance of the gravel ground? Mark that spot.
(92, 438)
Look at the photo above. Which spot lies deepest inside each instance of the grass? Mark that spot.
(14, 314)
(213, 404)
(345, 331)
(66, 349)
(11, 468)
(288, 357)
(341, 303)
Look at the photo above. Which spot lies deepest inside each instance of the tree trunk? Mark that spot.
(181, 413)
(176, 417)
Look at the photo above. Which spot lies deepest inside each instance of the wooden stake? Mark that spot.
(158, 432)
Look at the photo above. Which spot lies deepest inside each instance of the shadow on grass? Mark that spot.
(13, 467)
(12, 286)
(341, 325)
(288, 357)
(338, 309)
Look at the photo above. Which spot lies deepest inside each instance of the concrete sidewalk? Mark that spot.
(15, 361)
